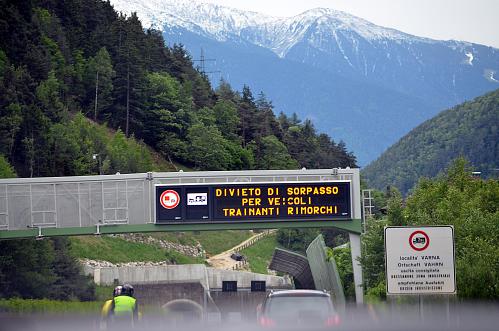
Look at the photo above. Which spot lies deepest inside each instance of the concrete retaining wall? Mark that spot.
(244, 278)
(209, 278)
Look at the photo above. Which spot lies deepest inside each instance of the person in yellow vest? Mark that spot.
(107, 308)
(124, 307)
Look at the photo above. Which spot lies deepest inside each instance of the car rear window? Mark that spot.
(297, 306)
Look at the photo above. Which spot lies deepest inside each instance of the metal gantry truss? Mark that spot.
(88, 204)
(367, 207)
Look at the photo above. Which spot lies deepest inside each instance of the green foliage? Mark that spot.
(273, 154)
(126, 155)
(9, 127)
(3, 62)
(183, 238)
(226, 119)
(373, 254)
(470, 130)
(343, 259)
(72, 145)
(334, 237)
(296, 239)
(41, 269)
(259, 254)
(106, 66)
(32, 306)
(99, 75)
(376, 293)
(395, 210)
(175, 257)
(469, 204)
(25, 268)
(166, 119)
(472, 206)
(164, 91)
(115, 250)
(62, 59)
(207, 147)
(69, 284)
(6, 170)
(380, 200)
(215, 242)
(118, 250)
(49, 94)
(311, 150)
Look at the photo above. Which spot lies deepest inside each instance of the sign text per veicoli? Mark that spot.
(249, 202)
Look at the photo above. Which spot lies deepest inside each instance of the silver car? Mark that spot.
(302, 309)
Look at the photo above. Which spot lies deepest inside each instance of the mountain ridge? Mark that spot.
(431, 74)
(467, 130)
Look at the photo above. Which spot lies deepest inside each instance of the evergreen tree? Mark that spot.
(25, 268)
(272, 154)
(100, 74)
(6, 170)
(268, 124)
(130, 76)
(227, 119)
(9, 127)
(49, 95)
(207, 148)
(247, 114)
(69, 283)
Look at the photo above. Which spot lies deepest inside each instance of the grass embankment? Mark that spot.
(30, 306)
(118, 250)
(213, 242)
(260, 254)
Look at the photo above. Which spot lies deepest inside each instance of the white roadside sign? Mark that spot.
(420, 260)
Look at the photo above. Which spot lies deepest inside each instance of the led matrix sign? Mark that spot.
(247, 202)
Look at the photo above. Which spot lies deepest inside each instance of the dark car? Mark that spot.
(237, 256)
(300, 309)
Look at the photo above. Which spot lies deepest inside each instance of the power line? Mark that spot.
(202, 60)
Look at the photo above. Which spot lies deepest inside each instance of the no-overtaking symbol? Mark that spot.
(169, 199)
(419, 240)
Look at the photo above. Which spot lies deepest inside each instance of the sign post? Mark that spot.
(420, 260)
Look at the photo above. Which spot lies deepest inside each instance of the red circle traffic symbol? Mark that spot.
(169, 199)
(419, 240)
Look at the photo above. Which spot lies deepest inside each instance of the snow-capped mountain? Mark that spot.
(275, 33)
(362, 83)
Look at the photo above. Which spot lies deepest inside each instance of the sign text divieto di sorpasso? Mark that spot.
(257, 202)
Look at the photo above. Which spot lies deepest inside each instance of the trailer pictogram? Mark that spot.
(419, 240)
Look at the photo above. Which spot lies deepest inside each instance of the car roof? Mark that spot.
(298, 293)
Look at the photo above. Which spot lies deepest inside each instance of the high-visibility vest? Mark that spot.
(124, 305)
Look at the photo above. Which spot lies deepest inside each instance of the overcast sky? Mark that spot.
(469, 20)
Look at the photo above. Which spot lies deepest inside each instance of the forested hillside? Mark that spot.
(62, 58)
(469, 204)
(470, 130)
(84, 90)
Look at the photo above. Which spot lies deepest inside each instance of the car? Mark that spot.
(300, 309)
(237, 256)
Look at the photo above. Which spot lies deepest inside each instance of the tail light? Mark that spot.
(333, 320)
(266, 322)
